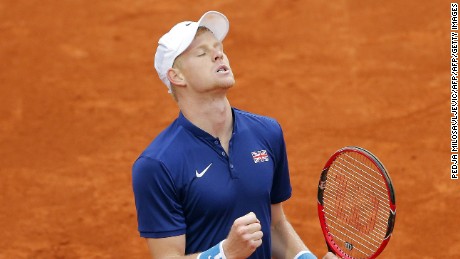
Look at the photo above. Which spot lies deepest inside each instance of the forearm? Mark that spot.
(286, 243)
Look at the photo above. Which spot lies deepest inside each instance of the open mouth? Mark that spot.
(222, 69)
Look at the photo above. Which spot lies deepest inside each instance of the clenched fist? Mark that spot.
(244, 237)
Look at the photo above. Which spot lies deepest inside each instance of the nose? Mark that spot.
(218, 54)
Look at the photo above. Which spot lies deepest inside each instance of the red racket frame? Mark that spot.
(391, 197)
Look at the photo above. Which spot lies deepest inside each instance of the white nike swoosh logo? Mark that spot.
(202, 172)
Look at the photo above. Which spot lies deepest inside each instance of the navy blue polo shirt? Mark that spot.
(185, 183)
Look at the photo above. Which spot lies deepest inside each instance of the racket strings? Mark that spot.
(364, 191)
(355, 238)
(359, 190)
(369, 179)
(364, 207)
(375, 228)
(357, 180)
(336, 188)
(361, 244)
(356, 233)
(353, 217)
(371, 167)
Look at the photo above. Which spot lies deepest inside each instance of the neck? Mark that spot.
(211, 114)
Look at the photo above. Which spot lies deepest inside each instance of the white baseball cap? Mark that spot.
(177, 40)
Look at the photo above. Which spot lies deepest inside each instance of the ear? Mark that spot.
(175, 77)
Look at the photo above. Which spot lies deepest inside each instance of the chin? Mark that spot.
(227, 83)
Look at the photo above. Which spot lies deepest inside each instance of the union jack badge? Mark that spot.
(259, 156)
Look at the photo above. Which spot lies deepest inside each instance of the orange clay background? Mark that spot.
(80, 99)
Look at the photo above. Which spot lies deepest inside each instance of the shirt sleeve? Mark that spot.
(281, 188)
(159, 212)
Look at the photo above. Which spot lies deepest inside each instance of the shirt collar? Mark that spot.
(184, 122)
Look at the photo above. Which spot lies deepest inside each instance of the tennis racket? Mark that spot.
(356, 204)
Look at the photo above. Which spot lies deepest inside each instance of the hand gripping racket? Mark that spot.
(356, 204)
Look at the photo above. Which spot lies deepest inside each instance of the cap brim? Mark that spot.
(216, 22)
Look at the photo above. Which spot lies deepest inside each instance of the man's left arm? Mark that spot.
(286, 243)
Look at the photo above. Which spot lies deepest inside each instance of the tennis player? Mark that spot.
(211, 185)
